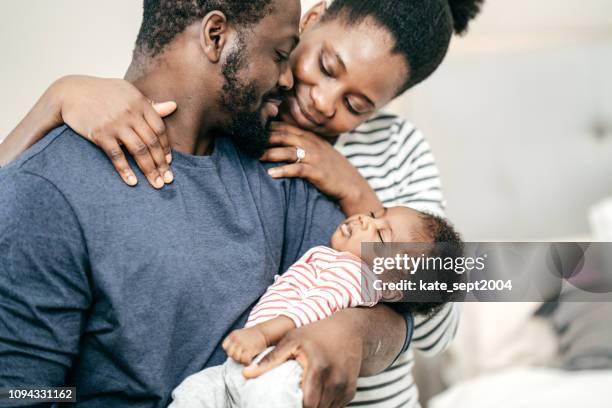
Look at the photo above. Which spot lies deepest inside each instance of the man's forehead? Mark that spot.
(284, 18)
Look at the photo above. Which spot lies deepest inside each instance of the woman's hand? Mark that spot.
(111, 113)
(323, 166)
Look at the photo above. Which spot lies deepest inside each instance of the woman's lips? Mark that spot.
(301, 117)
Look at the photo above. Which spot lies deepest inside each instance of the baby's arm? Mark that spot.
(243, 345)
(306, 296)
(337, 287)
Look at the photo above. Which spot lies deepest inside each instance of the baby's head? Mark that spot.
(435, 235)
(396, 224)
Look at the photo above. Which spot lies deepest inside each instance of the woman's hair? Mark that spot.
(422, 28)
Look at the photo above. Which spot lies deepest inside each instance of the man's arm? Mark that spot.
(44, 290)
(335, 351)
(383, 333)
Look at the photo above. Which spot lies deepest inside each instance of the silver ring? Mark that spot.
(300, 153)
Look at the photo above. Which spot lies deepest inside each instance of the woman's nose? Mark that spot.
(324, 100)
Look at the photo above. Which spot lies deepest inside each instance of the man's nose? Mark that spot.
(285, 81)
(324, 100)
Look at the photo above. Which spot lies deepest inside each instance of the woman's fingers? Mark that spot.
(154, 119)
(282, 138)
(295, 170)
(285, 127)
(115, 154)
(153, 142)
(280, 154)
(140, 152)
(164, 109)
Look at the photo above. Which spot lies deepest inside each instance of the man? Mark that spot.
(125, 304)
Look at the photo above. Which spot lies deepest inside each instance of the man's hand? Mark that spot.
(330, 354)
(333, 353)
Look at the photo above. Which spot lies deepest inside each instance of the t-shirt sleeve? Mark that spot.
(311, 220)
(44, 289)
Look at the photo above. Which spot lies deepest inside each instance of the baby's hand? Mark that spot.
(244, 344)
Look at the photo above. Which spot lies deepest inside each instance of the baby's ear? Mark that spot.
(313, 15)
(391, 296)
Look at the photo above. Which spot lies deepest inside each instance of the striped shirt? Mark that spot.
(398, 163)
(322, 282)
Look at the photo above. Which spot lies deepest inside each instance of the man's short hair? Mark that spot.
(164, 19)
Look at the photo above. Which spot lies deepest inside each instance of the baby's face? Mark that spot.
(397, 224)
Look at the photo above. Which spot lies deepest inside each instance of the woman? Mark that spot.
(351, 61)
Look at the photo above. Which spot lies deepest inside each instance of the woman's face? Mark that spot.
(343, 73)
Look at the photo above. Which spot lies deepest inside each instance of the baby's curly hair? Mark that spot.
(446, 243)
(163, 20)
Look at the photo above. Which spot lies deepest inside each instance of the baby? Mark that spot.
(323, 281)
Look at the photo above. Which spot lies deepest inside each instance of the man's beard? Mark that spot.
(238, 98)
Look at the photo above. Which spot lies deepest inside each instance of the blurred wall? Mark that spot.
(520, 119)
(519, 115)
(44, 40)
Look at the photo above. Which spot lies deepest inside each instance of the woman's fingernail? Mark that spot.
(132, 180)
(273, 172)
(159, 183)
(168, 177)
(169, 158)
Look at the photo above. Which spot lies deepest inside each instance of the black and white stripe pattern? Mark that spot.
(397, 162)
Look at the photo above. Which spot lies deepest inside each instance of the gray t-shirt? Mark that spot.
(123, 292)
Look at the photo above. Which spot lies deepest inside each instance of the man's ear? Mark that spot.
(313, 15)
(214, 35)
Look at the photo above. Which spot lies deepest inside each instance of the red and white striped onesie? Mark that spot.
(320, 283)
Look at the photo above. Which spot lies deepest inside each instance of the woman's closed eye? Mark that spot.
(354, 108)
(323, 67)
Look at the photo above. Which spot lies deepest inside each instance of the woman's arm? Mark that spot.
(323, 166)
(108, 112)
(44, 116)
